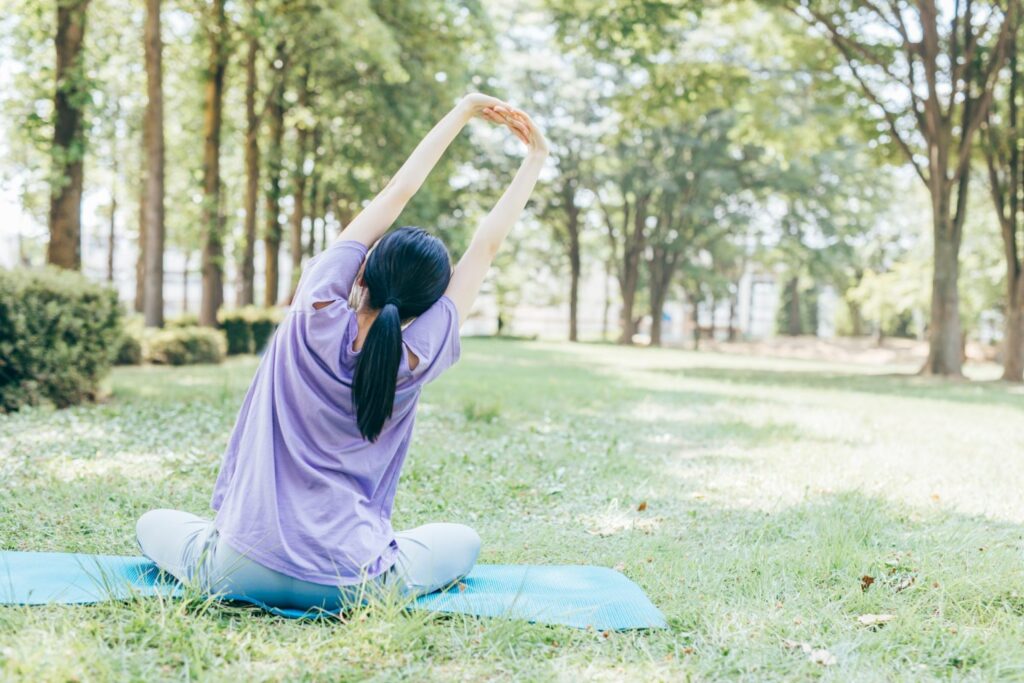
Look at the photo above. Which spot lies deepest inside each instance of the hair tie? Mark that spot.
(391, 300)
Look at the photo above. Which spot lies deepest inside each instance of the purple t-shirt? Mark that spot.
(300, 491)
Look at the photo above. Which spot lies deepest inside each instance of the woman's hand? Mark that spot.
(520, 123)
(475, 103)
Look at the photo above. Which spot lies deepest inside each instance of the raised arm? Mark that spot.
(373, 221)
(473, 266)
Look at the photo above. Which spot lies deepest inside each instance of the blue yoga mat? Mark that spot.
(573, 595)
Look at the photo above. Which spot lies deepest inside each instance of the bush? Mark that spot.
(238, 330)
(128, 350)
(57, 332)
(264, 322)
(183, 320)
(185, 346)
(248, 329)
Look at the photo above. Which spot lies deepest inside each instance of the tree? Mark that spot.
(252, 162)
(153, 183)
(1002, 142)
(930, 71)
(213, 245)
(68, 150)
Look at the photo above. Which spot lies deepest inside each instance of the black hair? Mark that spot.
(406, 272)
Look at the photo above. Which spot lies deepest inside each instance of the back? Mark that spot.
(300, 491)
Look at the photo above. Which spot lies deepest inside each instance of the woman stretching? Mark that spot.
(305, 491)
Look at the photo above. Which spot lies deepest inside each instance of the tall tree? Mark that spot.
(213, 245)
(1003, 141)
(276, 108)
(303, 123)
(246, 267)
(68, 150)
(153, 183)
(930, 69)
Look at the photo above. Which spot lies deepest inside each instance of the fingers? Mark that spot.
(504, 115)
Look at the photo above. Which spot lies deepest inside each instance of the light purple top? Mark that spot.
(300, 491)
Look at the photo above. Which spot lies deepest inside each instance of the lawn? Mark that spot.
(770, 489)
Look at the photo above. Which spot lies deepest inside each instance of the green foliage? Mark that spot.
(248, 329)
(186, 346)
(182, 320)
(57, 330)
(129, 350)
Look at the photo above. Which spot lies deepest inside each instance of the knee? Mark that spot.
(467, 542)
(147, 526)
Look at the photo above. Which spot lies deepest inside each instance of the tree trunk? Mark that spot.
(272, 238)
(794, 325)
(657, 311)
(213, 246)
(112, 229)
(153, 181)
(695, 320)
(184, 282)
(1013, 337)
(661, 268)
(606, 312)
(630, 276)
(733, 304)
(247, 269)
(299, 189)
(572, 226)
(65, 246)
(140, 258)
(945, 352)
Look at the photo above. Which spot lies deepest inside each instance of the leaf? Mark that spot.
(642, 506)
(874, 620)
(866, 581)
(906, 583)
(818, 655)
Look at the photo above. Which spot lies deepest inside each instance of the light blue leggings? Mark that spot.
(189, 548)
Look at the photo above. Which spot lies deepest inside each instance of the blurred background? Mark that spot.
(816, 179)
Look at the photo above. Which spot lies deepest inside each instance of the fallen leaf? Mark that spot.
(822, 656)
(866, 581)
(819, 655)
(606, 634)
(688, 650)
(904, 584)
(875, 619)
(935, 497)
(642, 506)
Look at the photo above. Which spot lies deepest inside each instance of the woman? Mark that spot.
(305, 491)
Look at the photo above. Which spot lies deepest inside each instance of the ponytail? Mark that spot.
(373, 386)
(405, 274)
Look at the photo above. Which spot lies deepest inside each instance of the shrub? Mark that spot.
(57, 333)
(264, 322)
(128, 349)
(238, 330)
(186, 346)
(183, 320)
(249, 328)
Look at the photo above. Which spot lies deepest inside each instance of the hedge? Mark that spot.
(58, 332)
(184, 346)
(249, 329)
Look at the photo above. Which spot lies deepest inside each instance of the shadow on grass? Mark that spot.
(908, 386)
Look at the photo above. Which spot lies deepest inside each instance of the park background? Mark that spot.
(814, 207)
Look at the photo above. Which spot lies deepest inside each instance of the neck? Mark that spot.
(364, 318)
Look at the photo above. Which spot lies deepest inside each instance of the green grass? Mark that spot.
(771, 487)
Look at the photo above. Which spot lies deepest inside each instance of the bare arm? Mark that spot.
(473, 266)
(373, 221)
